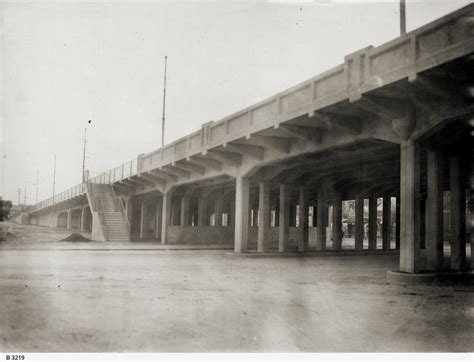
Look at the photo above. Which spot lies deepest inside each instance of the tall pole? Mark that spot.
(25, 196)
(19, 195)
(164, 106)
(37, 183)
(403, 28)
(84, 157)
(54, 177)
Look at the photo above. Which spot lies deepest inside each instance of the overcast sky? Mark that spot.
(65, 63)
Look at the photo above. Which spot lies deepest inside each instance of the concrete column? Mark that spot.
(165, 217)
(303, 220)
(409, 207)
(397, 225)
(386, 223)
(336, 222)
(83, 214)
(128, 213)
(457, 214)
(264, 217)
(359, 222)
(184, 220)
(372, 222)
(158, 216)
(143, 219)
(284, 219)
(218, 211)
(202, 211)
(242, 191)
(69, 220)
(321, 223)
(434, 232)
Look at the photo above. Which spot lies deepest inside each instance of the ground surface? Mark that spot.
(199, 300)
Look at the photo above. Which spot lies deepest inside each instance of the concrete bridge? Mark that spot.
(392, 122)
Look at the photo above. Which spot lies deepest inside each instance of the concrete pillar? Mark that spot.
(69, 220)
(303, 240)
(264, 217)
(284, 219)
(184, 219)
(242, 193)
(321, 223)
(83, 223)
(457, 214)
(434, 231)
(158, 216)
(202, 211)
(372, 222)
(336, 222)
(409, 207)
(218, 211)
(143, 219)
(397, 223)
(359, 222)
(165, 217)
(386, 223)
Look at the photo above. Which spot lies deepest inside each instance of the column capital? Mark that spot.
(405, 125)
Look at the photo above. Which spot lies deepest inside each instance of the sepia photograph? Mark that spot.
(237, 179)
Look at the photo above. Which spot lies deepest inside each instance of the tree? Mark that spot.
(5, 207)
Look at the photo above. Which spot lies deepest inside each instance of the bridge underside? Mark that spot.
(377, 151)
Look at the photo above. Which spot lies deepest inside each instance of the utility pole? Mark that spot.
(19, 195)
(403, 28)
(25, 196)
(84, 157)
(54, 177)
(164, 105)
(37, 183)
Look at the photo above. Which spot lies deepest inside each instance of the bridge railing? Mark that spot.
(367, 69)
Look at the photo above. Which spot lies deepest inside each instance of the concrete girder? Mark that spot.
(153, 178)
(275, 143)
(142, 180)
(190, 167)
(229, 158)
(384, 107)
(256, 152)
(205, 162)
(432, 86)
(306, 134)
(176, 171)
(335, 121)
(164, 175)
(364, 168)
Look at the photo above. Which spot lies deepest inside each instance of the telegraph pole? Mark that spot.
(54, 176)
(25, 196)
(164, 105)
(37, 183)
(84, 157)
(403, 28)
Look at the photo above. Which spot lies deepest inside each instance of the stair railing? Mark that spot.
(101, 212)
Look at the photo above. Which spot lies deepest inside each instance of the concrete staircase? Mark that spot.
(111, 213)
